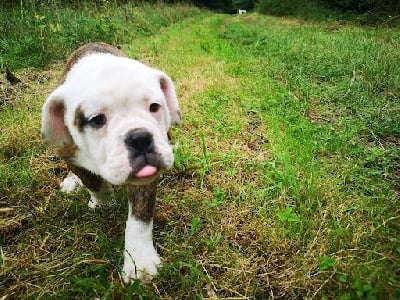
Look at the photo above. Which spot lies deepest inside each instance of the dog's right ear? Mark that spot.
(168, 89)
(54, 130)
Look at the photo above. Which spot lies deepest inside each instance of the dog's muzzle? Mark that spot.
(145, 162)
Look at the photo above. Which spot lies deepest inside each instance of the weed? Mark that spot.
(327, 263)
(195, 225)
(219, 197)
(362, 290)
(214, 240)
(288, 215)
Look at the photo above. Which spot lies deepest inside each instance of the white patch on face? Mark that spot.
(140, 257)
(122, 90)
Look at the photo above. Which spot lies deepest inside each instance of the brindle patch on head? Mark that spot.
(86, 50)
(80, 120)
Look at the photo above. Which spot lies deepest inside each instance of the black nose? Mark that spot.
(139, 141)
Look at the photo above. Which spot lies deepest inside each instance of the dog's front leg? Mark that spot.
(79, 176)
(140, 257)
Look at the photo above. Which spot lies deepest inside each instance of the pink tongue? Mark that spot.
(146, 171)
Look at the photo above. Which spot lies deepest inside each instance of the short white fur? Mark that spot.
(124, 97)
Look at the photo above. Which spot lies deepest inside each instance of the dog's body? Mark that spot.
(109, 118)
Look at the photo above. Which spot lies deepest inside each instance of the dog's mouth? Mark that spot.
(144, 160)
(144, 168)
(146, 172)
(144, 175)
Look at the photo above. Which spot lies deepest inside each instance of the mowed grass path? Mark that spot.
(286, 180)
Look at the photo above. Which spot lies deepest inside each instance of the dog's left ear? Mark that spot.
(54, 131)
(168, 89)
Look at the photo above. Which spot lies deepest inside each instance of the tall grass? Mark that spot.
(35, 33)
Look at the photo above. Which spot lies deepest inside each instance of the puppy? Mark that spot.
(109, 119)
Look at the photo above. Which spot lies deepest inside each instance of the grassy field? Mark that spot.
(34, 33)
(286, 182)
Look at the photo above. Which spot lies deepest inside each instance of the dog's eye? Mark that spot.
(98, 121)
(154, 107)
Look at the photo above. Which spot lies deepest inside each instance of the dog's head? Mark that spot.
(116, 112)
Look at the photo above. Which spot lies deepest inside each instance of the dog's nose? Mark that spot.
(139, 141)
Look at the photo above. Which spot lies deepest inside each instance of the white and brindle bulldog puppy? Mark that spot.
(109, 119)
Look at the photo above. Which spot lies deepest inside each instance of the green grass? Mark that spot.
(35, 33)
(286, 182)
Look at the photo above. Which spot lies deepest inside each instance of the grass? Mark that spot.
(35, 33)
(286, 182)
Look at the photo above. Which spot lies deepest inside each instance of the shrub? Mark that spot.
(364, 12)
(362, 6)
(277, 7)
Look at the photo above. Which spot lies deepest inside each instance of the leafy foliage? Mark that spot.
(365, 11)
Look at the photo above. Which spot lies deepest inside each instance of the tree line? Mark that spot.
(287, 6)
(274, 7)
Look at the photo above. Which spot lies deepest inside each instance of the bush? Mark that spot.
(364, 12)
(361, 6)
(307, 9)
(277, 7)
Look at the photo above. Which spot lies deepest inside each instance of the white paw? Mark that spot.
(140, 257)
(92, 203)
(70, 183)
(142, 265)
(96, 198)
